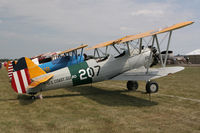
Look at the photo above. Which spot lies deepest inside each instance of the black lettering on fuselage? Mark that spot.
(59, 80)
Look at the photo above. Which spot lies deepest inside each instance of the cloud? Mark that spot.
(146, 12)
(154, 10)
(60, 24)
(124, 28)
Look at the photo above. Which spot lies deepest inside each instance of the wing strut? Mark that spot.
(81, 54)
(170, 34)
(116, 49)
(128, 47)
(140, 48)
(163, 62)
(150, 57)
(106, 49)
(158, 46)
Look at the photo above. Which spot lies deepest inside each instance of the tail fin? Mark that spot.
(10, 69)
(24, 71)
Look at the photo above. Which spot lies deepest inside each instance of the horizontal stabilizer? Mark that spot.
(40, 80)
(153, 73)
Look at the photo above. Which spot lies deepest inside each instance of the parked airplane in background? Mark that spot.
(126, 58)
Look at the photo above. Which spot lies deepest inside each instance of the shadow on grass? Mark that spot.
(23, 99)
(101, 96)
(107, 97)
(5, 100)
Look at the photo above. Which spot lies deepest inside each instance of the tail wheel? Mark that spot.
(132, 85)
(33, 97)
(151, 87)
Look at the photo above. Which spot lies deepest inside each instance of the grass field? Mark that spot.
(106, 107)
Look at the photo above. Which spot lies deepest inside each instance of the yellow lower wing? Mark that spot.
(40, 80)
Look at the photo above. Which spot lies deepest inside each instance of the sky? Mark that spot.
(32, 27)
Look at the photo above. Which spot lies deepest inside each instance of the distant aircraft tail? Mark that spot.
(24, 71)
(10, 69)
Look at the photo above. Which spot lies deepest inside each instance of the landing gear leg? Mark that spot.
(132, 85)
(40, 96)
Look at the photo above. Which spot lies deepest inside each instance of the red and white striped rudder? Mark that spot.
(10, 70)
(20, 80)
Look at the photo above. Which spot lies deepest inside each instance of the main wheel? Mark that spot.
(151, 87)
(132, 85)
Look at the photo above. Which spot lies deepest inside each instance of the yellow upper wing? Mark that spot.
(142, 35)
(154, 32)
(102, 44)
(175, 27)
(72, 49)
(138, 36)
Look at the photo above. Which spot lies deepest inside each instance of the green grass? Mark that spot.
(105, 107)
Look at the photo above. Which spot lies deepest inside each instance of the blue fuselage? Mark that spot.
(61, 62)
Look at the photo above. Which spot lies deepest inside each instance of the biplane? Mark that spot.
(129, 58)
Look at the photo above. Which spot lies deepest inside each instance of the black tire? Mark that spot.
(33, 97)
(152, 87)
(132, 85)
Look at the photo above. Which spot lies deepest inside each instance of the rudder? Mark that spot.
(24, 71)
(10, 69)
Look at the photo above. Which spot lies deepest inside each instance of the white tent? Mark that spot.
(195, 52)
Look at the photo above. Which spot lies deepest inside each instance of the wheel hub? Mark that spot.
(153, 88)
